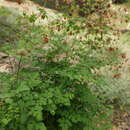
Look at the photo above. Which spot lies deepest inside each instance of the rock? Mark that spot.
(7, 63)
(29, 8)
(3, 55)
(5, 68)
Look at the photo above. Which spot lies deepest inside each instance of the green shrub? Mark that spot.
(50, 88)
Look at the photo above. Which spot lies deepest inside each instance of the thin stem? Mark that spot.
(18, 70)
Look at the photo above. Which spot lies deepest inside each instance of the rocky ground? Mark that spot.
(121, 120)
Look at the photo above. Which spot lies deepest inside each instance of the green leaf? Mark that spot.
(5, 121)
